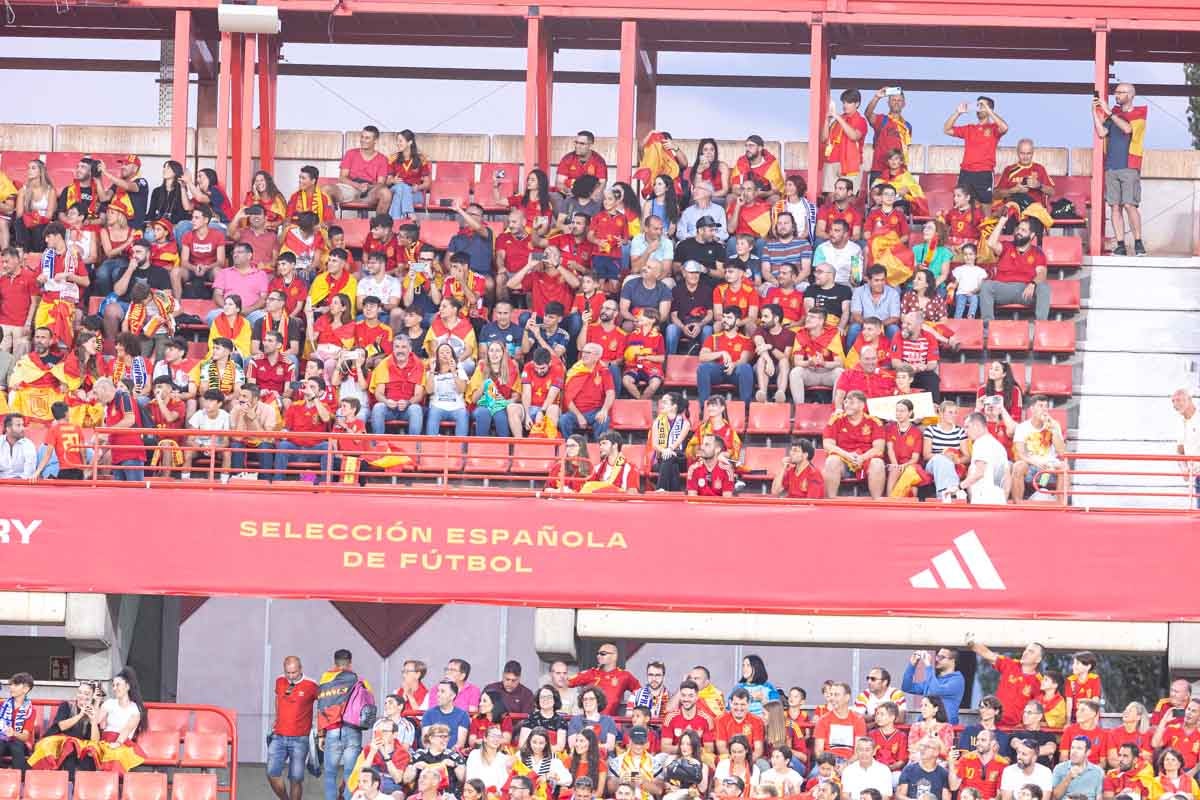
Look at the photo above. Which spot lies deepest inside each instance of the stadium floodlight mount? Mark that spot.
(247, 17)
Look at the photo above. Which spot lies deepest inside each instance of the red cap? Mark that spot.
(130, 159)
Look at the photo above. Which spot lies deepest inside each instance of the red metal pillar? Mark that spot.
(545, 110)
(179, 85)
(245, 132)
(237, 68)
(646, 110)
(1096, 218)
(224, 88)
(818, 102)
(268, 78)
(533, 77)
(626, 98)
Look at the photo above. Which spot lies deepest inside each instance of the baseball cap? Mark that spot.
(693, 266)
(707, 222)
(754, 137)
(129, 159)
(638, 734)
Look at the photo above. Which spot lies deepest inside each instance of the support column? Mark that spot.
(237, 72)
(1096, 217)
(646, 110)
(533, 83)
(268, 78)
(545, 100)
(224, 88)
(179, 85)
(626, 97)
(818, 104)
(245, 131)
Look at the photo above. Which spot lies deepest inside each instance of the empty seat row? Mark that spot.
(53, 785)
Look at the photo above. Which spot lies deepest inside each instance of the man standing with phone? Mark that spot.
(1123, 129)
(979, 145)
(892, 131)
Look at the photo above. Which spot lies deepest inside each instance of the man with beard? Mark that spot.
(1020, 273)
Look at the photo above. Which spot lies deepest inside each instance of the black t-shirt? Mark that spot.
(689, 305)
(85, 197)
(295, 330)
(80, 730)
(154, 277)
(709, 254)
(139, 197)
(1041, 738)
(557, 722)
(166, 205)
(828, 300)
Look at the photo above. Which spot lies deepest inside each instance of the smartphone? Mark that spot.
(1178, 713)
(1095, 94)
(537, 256)
(892, 91)
(445, 202)
(501, 174)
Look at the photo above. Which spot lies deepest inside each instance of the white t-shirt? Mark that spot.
(969, 278)
(494, 774)
(989, 488)
(855, 779)
(203, 422)
(117, 718)
(781, 780)
(385, 287)
(1035, 444)
(446, 395)
(1191, 440)
(1014, 778)
(843, 259)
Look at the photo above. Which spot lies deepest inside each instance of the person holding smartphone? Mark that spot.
(1178, 730)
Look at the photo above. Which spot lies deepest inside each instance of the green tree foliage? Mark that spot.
(1126, 677)
(1191, 73)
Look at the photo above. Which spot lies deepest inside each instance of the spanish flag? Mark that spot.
(656, 160)
(1136, 117)
(758, 217)
(768, 172)
(894, 254)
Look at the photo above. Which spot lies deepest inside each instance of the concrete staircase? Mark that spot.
(1139, 340)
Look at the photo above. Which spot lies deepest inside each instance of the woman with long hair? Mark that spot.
(167, 200)
(495, 391)
(586, 758)
(1134, 729)
(130, 365)
(332, 333)
(932, 725)
(1000, 382)
(931, 252)
(204, 191)
(925, 297)
(738, 764)
(592, 703)
(411, 177)
(230, 324)
(794, 202)
(36, 206)
(446, 385)
(488, 761)
(121, 720)
(716, 421)
(686, 771)
(666, 442)
(754, 680)
(664, 204)
(262, 192)
(709, 167)
(492, 712)
(536, 758)
(116, 241)
(1170, 778)
(71, 733)
(571, 472)
(534, 201)
(78, 372)
(627, 200)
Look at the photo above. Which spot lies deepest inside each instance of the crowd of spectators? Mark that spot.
(590, 290)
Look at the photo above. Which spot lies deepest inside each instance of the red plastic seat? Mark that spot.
(356, 230)
(1059, 415)
(1008, 335)
(487, 457)
(447, 458)
(45, 785)
(62, 160)
(454, 170)
(634, 454)
(810, 419)
(1063, 251)
(1065, 294)
(10, 784)
(447, 190)
(207, 749)
(161, 748)
(438, 232)
(197, 349)
(762, 459)
(958, 378)
(15, 163)
(631, 415)
(769, 419)
(1053, 337)
(194, 786)
(169, 719)
(508, 184)
(533, 459)
(681, 370)
(146, 785)
(1055, 380)
(736, 410)
(969, 332)
(938, 182)
(95, 785)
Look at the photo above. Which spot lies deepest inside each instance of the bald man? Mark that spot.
(1123, 128)
(1189, 441)
(295, 695)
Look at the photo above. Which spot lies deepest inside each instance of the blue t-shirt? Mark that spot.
(918, 781)
(1116, 149)
(455, 718)
(477, 246)
(560, 337)
(639, 296)
(510, 337)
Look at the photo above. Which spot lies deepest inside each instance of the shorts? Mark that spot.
(349, 193)
(606, 267)
(857, 475)
(980, 181)
(1035, 479)
(1122, 187)
(293, 750)
(645, 374)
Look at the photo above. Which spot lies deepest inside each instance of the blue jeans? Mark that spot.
(52, 466)
(711, 373)
(855, 329)
(131, 470)
(283, 458)
(290, 749)
(381, 415)
(107, 274)
(945, 474)
(567, 424)
(966, 306)
(674, 333)
(485, 418)
(404, 200)
(342, 746)
(433, 422)
(237, 459)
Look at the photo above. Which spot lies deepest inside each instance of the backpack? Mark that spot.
(345, 700)
(360, 710)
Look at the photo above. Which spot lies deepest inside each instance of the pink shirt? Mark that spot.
(360, 169)
(251, 287)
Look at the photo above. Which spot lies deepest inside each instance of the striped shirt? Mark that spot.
(776, 252)
(941, 439)
(918, 352)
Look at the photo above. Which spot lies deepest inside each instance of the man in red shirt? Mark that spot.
(979, 145)
(843, 136)
(837, 729)
(295, 290)
(202, 255)
(854, 445)
(588, 394)
(979, 769)
(789, 299)
(362, 173)
(398, 386)
(892, 131)
(1026, 177)
(1131, 775)
(1088, 727)
(295, 695)
(1177, 698)
(817, 355)
(582, 161)
(18, 288)
(609, 678)
(546, 278)
(689, 716)
(886, 217)
(541, 387)
(1019, 275)
(708, 477)
(1182, 734)
(799, 479)
(740, 722)
(1019, 682)
(606, 333)
(867, 377)
(513, 249)
(574, 245)
(737, 293)
(725, 360)
(841, 206)
(310, 415)
(918, 348)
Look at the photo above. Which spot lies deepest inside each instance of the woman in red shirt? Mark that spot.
(535, 201)
(1001, 383)
(491, 712)
(572, 471)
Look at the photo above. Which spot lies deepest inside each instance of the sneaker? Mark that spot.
(187, 476)
(1119, 250)
(224, 477)
(760, 396)
(1139, 249)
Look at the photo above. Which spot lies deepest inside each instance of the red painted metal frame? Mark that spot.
(268, 79)
(1096, 217)
(818, 102)
(180, 86)
(626, 99)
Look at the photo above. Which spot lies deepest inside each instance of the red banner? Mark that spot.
(632, 554)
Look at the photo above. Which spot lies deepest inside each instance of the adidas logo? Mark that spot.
(950, 571)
